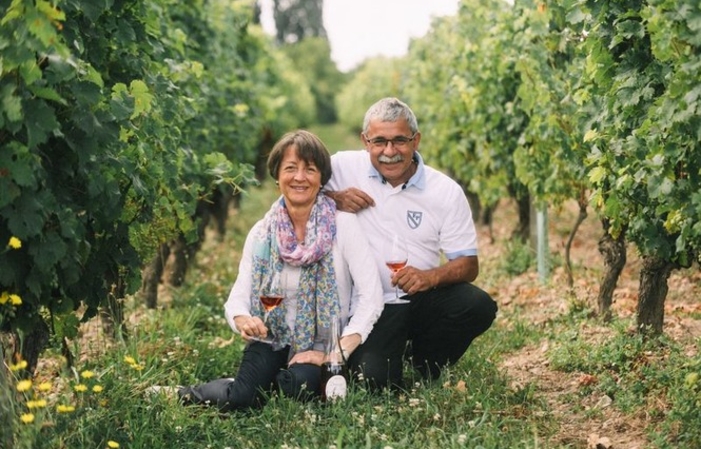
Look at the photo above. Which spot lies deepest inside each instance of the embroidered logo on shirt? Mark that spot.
(413, 218)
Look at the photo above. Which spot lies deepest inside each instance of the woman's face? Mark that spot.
(299, 182)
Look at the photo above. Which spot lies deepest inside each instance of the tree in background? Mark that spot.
(374, 79)
(296, 20)
(301, 35)
(312, 58)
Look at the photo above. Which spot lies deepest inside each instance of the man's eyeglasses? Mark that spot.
(397, 142)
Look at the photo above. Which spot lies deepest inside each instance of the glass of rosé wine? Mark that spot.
(270, 298)
(396, 257)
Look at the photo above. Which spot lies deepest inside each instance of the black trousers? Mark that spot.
(262, 371)
(432, 331)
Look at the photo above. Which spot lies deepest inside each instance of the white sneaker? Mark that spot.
(168, 392)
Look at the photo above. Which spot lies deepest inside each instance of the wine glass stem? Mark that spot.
(396, 289)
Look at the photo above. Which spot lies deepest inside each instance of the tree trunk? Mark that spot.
(475, 204)
(112, 316)
(29, 347)
(523, 230)
(614, 252)
(582, 201)
(219, 210)
(652, 293)
(183, 253)
(151, 276)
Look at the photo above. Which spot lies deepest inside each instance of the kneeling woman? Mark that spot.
(320, 256)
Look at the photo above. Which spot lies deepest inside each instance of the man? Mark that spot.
(394, 192)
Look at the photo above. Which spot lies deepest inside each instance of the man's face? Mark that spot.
(391, 146)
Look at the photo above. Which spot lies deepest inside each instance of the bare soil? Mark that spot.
(583, 421)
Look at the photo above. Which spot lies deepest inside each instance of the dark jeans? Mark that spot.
(262, 370)
(439, 326)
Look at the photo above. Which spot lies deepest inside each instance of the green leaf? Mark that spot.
(30, 71)
(89, 73)
(11, 103)
(597, 174)
(576, 15)
(15, 11)
(20, 165)
(42, 28)
(47, 93)
(659, 188)
(52, 249)
(590, 135)
(66, 323)
(142, 98)
(95, 8)
(40, 121)
(27, 217)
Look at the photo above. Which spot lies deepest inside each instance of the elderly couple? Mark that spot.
(332, 219)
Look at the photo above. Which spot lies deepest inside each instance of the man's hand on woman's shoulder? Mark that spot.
(351, 199)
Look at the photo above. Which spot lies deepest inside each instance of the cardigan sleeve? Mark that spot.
(366, 301)
(239, 301)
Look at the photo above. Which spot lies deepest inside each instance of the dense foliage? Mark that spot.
(545, 101)
(117, 118)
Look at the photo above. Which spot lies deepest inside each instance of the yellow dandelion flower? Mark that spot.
(130, 360)
(24, 385)
(112, 444)
(44, 386)
(27, 418)
(80, 388)
(65, 408)
(15, 300)
(22, 364)
(4, 297)
(14, 243)
(137, 367)
(87, 374)
(97, 389)
(39, 403)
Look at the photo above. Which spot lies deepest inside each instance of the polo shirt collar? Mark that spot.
(418, 179)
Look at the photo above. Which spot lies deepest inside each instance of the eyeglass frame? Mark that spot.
(376, 141)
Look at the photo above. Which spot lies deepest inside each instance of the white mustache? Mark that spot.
(390, 160)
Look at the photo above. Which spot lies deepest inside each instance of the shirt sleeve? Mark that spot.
(367, 302)
(239, 301)
(458, 234)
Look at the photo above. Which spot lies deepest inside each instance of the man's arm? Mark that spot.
(351, 199)
(460, 269)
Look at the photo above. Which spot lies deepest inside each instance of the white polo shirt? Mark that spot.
(430, 211)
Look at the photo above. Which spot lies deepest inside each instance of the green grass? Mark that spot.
(474, 404)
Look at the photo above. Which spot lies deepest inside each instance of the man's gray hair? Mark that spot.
(390, 109)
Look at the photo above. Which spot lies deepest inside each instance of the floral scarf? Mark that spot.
(317, 294)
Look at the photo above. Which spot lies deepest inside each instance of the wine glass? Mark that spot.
(396, 257)
(270, 298)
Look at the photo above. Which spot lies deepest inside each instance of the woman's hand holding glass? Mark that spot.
(253, 328)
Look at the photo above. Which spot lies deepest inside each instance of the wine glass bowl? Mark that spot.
(270, 298)
(270, 301)
(396, 258)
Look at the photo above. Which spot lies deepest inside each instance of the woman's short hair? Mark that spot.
(309, 148)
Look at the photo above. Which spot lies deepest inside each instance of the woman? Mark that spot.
(322, 257)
